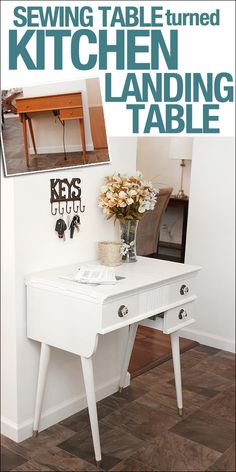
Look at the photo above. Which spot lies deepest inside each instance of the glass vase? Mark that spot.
(128, 229)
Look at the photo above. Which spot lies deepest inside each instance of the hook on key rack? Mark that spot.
(75, 207)
(80, 207)
(53, 212)
(68, 208)
(61, 210)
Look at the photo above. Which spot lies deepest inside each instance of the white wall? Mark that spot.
(8, 325)
(153, 161)
(32, 245)
(52, 141)
(210, 240)
(94, 92)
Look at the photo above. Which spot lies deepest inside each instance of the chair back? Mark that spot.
(149, 227)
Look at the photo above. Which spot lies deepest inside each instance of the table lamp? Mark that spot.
(181, 149)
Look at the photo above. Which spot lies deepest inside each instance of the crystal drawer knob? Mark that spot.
(184, 289)
(123, 310)
(183, 314)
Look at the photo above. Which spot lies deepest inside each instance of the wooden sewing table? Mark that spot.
(67, 106)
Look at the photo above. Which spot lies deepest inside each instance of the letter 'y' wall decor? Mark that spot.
(66, 196)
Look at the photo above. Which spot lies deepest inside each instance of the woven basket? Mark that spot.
(109, 253)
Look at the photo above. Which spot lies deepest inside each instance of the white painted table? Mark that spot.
(70, 316)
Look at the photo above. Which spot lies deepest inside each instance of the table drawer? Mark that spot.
(50, 102)
(151, 302)
(122, 309)
(181, 290)
(71, 113)
(177, 317)
(165, 295)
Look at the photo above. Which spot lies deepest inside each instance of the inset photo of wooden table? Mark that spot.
(43, 130)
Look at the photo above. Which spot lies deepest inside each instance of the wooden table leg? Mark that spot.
(23, 120)
(82, 133)
(128, 352)
(32, 134)
(174, 337)
(87, 367)
(43, 369)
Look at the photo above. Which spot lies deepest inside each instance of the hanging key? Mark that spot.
(60, 228)
(77, 222)
(72, 229)
(74, 224)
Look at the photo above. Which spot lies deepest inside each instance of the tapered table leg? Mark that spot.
(127, 355)
(174, 337)
(87, 367)
(82, 132)
(32, 134)
(23, 120)
(43, 369)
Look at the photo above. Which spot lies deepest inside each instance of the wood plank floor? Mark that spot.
(152, 348)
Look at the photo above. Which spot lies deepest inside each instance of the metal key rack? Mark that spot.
(66, 196)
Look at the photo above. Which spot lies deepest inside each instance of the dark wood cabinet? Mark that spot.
(175, 251)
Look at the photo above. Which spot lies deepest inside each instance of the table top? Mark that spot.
(145, 272)
(51, 95)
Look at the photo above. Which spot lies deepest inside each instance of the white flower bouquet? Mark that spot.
(127, 198)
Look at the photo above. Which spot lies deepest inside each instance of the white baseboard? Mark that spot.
(9, 429)
(209, 339)
(55, 149)
(20, 432)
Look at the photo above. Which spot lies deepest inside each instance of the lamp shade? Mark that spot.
(181, 148)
